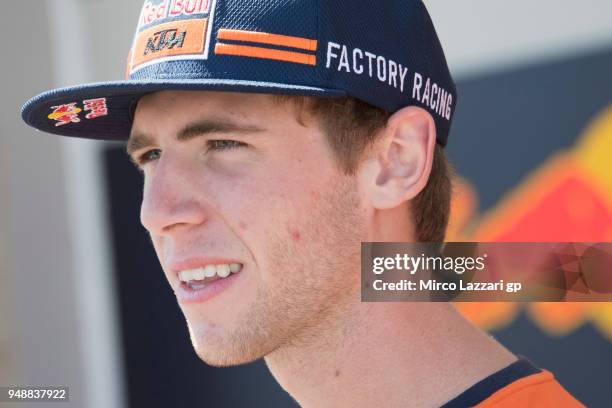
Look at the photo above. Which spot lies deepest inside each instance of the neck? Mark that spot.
(416, 354)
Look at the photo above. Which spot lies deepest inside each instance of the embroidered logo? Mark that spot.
(165, 40)
(95, 107)
(171, 30)
(65, 114)
(70, 112)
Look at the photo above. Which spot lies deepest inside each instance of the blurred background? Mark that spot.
(83, 302)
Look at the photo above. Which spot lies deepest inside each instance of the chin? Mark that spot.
(220, 348)
(222, 358)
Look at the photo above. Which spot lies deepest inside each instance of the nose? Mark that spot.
(171, 201)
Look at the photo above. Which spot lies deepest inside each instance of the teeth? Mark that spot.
(192, 274)
(209, 271)
(223, 270)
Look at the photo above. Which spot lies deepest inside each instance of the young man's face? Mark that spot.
(236, 179)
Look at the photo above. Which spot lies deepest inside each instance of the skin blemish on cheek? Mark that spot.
(242, 225)
(337, 373)
(295, 234)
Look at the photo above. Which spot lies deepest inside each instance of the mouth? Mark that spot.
(204, 282)
(196, 279)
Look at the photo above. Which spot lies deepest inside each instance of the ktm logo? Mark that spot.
(170, 41)
(165, 40)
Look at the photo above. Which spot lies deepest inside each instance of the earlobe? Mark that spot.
(405, 155)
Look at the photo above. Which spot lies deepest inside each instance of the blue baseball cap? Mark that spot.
(385, 53)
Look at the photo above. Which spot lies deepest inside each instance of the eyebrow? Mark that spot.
(139, 141)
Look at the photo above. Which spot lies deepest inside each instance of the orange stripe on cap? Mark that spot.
(265, 53)
(267, 38)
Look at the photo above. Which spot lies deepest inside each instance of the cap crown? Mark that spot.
(385, 53)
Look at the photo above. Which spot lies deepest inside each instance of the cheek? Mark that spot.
(272, 203)
(274, 210)
(160, 250)
(304, 209)
(158, 245)
(295, 234)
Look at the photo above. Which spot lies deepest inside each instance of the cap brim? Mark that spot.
(121, 97)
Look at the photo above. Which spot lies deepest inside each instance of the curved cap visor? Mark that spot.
(69, 111)
(386, 54)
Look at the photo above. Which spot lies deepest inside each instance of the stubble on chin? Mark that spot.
(311, 282)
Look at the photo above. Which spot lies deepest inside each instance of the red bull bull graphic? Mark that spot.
(65, 114)
(569, 198)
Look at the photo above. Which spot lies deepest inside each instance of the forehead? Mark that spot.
(169, 114)
(183, 104)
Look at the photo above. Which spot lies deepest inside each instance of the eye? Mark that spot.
(148, 156)
(225, 144)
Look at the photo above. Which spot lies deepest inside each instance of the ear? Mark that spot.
(402, 163)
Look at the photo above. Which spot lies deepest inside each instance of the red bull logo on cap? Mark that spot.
(152, 12)
(188, 7)
(156, 11)
(171, 30)
(70, 112)
(95, 107)
(65, 114)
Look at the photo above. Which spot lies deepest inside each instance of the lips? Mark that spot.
(201, 279)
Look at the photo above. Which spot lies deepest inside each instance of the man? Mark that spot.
(275, 137)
